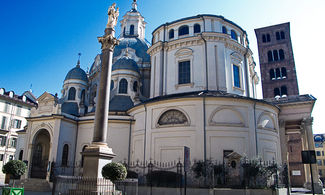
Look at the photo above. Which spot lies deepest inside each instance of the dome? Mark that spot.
(139, 45)
(77, 73)
(125, 63)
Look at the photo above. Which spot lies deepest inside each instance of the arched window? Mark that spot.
(21, 155)
(197, 28)
(234, 35)
(72, 94)
(275, 55)
(123, 86)
(65, 155)
(284, 72)
(82, 156)
(281, 54)
(184, 72)
(277, 34)
(124, 31)
(183, 30)
(268, 37)
(263, 38)
(132, 29)
(171, 34)
(135, 86)
(269, 56)
(224, 30)
(277, 73)
(83, 94)
(112, 84)
(276, 92)
(282, 35)
(284, 91)
(173, 117)
(272, 75)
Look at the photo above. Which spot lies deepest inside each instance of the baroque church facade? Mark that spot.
(194, 86)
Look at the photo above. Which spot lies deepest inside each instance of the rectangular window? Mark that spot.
(319, 162)
(322, 153)
(7, 105)
(184, 72)
(18, 110)
(323, 162)
(318, 153)
(13, 142)
(236, 76)
(17, 124)
(3, 122)
(1, 157)
(3, 140)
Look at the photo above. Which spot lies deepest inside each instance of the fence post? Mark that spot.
(150, 167)
(180, 175)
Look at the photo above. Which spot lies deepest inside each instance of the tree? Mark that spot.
(114, 172)
(15, 168)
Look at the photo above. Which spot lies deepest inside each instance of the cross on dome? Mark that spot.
(78, 63)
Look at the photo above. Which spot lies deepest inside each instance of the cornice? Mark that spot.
(198, 40)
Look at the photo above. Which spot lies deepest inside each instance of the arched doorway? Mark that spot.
(40, 154)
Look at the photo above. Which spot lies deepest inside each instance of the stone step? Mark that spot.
(37, 185)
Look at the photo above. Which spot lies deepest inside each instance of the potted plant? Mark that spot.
(14, 168)
(114, 172)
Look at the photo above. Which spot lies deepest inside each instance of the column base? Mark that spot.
(96, 156)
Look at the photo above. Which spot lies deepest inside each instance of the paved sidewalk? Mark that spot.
(34, 193)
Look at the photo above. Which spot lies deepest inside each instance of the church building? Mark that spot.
(194, 85)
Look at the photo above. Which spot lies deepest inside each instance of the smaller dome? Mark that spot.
(125, 63)
(77, 73)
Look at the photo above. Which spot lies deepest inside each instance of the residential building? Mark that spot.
(13, 112)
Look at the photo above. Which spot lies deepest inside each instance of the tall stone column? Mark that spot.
(98, 154)
(307, 125)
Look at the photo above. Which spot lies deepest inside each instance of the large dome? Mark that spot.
(77, 73)
(139, 45)
(125, 63)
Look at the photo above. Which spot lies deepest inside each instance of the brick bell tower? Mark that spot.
(278, 71)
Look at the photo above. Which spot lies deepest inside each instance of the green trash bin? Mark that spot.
(12, 191)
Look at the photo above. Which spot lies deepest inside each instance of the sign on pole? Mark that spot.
(187, 159)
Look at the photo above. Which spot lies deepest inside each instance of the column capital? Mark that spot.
(108, 42)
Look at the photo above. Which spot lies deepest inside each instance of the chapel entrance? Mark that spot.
(40, 154)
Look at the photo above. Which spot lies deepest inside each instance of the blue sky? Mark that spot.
(40, 39)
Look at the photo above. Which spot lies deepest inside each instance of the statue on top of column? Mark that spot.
(112, 16)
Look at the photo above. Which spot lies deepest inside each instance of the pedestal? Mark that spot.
(96, 156)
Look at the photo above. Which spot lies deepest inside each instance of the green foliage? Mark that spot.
(199, 169)
(114, 172)
(15, 168)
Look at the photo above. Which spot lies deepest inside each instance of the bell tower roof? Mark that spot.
(133, 24)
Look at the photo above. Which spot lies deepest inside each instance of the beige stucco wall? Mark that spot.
(229, 126)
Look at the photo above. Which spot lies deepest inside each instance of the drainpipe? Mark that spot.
(145, 134)
(75, 147)
(129, 150)
(161, 91)
(256, 146)
(204, 129)
(206, 56)
(246, 73)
